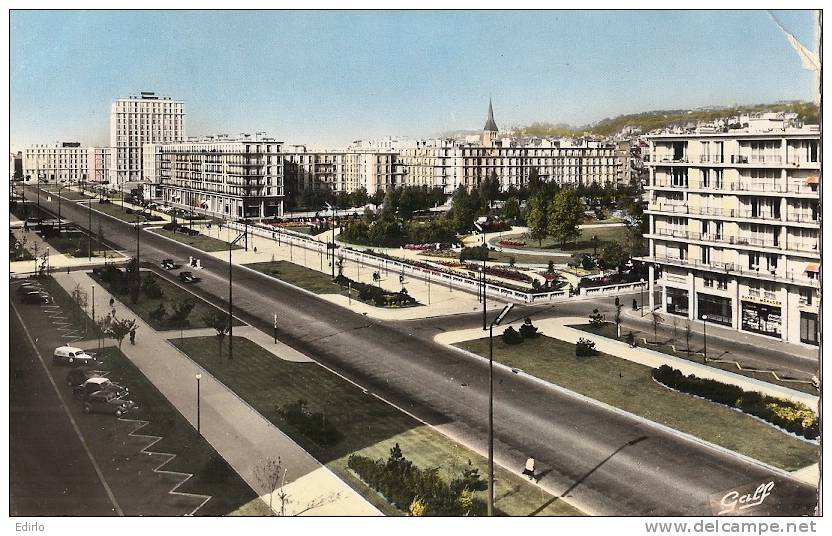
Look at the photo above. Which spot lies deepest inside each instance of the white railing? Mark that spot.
(607, 290)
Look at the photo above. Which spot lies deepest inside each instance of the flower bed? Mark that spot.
(794, 417)
(513, 243)
(504, 272)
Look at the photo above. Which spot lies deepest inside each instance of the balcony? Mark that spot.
(730, 268)
(739, 186)
(802, 218)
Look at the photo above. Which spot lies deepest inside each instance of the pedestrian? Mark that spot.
(133, 336)
(112, 302)
(529, 470)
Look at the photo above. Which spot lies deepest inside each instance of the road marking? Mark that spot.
(109, 491)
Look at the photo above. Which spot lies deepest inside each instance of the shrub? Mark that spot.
(794, 417)
(151, 288)
(585, 348)
(527, 330)
(158, 315)
(512, 336)
(311, 424)
(476, 253)
(596, 319)
(179, 316)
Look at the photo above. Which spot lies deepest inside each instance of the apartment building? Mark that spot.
(735, 224)
(220, 176)
(98, 161)
(54, 163)
(138, 120)
(342, 171)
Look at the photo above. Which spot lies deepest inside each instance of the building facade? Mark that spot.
(98, 161)
(136, 121)
(222, 177)
(62, 162)
(734, 227)
(343, 171)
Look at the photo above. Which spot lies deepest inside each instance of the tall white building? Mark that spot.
(56, 162)
(98, 160)
(223, 177)
(138, 120)
(343, 171)
(734, 226)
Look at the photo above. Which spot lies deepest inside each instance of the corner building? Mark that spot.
(735, 226)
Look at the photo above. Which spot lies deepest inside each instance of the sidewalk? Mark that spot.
(57, 260)
(438, 299)
(558, 328)
(241, 435)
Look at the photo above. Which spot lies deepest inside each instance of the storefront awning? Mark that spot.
(813, 267)
(812, 179)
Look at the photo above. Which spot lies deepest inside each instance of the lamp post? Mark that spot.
(275, 328)
(230, 296)
(332, 223)
(704, 339)
(60, 187)
(496, 322)
(482, 232)
(198, 377)
(641, 297)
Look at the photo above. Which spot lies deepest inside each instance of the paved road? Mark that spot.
(50, 474)
(604, 462)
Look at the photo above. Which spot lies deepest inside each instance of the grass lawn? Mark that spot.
(635, 391)
(608, 330)
(74, 244)
(368, 426)
(171, 295)
(584, 245)
(201, 242)
(212, 474)
(114, 209)
(66, 193)
(305, 278)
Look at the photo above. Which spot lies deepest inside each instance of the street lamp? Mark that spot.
(275, 328)
(705, 339)
(198, 377)
(230, 314)
(641, 297)
(496, 322)
(482, 232)
(332, 223)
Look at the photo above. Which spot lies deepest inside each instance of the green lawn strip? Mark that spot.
(608, 330)
(200, 241)
(630, 386)
(73, 244)
(212, 474)
(368, 426)
(583, 244)
(171, 295)
(114, 209)
(66, 193)
(305, 278)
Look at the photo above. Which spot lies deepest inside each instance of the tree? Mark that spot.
(688, 335)
(536, 219)
(614, 256)
(120, 328)
(596, 319)
(565, 216)
(417, 508)
(79, 296)
(637, 226)
(489, 190)
(464, 210)
(595, 243)
(272, 475)
(656, 319)
(511, 210)
(219, 322)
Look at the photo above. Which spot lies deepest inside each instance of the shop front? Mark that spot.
(717, 308)
(762, 318)
(809, 328)
(677, 301)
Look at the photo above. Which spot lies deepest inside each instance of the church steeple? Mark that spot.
(490, 124)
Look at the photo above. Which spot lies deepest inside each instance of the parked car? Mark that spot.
(29, 286)
(188, 277)
(168, 264)
(71, 356)
(106, 402)
(93, 385)
(37, 297)
(79, 375)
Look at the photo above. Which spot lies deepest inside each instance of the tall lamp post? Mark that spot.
(496, 322)
(198, 377)
(641, 297)
(60, 187)
(230, 315)
(332, 246)
(704, 339)
(482, 232)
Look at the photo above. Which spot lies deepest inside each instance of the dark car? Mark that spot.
(106, 402)
(37, 297)
(188, 277)
(79, 375)
(29, 287)
(168, 264)
(93, 385)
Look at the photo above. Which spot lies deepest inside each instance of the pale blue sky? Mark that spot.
(331, 77)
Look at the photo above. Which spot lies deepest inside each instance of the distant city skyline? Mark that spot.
(327, 78)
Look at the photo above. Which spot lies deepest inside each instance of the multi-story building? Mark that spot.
(98, 160)
(734, 226)
(136, 121)
(230, 178)
(16, 165)
(342, 171)
(56, 162)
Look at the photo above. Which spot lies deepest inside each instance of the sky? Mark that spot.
(330, 77)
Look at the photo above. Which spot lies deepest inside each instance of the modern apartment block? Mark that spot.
(136, 121)
(735, 224)
(98, 160)
(223, 177)
(342, 171)
(56, 162)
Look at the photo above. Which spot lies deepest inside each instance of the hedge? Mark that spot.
(794, 417)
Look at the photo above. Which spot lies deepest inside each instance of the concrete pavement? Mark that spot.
(240, 434)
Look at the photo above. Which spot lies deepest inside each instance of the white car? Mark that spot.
(71, 356)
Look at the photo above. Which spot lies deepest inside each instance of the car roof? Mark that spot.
(97, 380)
(69, 349)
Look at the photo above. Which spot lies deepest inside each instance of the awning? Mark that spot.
(812, 179)
(813, 267)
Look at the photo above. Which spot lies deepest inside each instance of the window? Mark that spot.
(809, 328)
(806, 295)
(708, 282)
(753, 261)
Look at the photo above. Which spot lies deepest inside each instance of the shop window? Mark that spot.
(809, 328)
